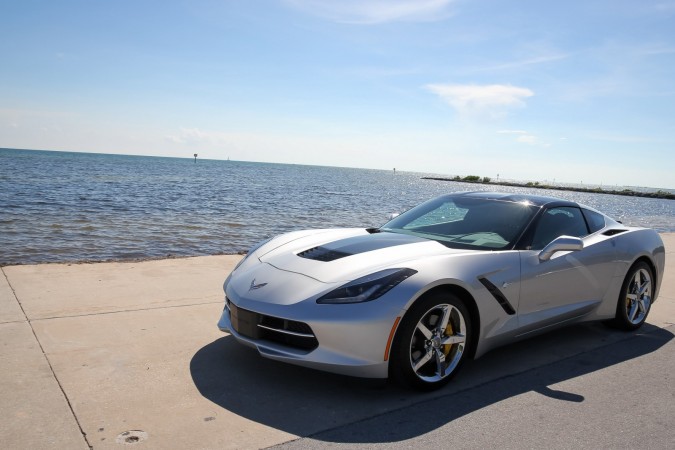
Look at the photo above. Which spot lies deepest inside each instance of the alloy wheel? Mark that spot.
(438, 343)
(638, 296)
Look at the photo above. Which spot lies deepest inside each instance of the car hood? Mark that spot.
(332, 256)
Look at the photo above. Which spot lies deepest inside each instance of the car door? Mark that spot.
(569, 284)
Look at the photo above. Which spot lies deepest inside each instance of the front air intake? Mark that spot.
(286, 332)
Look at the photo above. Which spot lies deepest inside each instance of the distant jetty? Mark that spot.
(595, 190)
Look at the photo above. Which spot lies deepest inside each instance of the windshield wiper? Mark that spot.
(462, 236)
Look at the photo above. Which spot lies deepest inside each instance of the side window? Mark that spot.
(594, 220)
(556, 222)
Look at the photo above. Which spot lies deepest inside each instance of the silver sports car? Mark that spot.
(447, 280)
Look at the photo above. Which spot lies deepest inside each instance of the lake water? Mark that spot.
(67, 207)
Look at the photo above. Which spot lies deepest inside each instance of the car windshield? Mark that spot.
(466, 222)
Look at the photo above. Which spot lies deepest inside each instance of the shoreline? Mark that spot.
(665, 235)
(660, 194)
(119, 260)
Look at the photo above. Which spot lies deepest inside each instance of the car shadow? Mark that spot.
(306, 402)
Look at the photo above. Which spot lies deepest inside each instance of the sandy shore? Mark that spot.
(92, 351)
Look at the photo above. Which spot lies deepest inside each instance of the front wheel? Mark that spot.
(635, 299)
(431, 343)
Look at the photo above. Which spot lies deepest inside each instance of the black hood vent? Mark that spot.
(323, 254)
(356, 245)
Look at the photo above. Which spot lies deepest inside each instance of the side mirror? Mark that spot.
(561, 244)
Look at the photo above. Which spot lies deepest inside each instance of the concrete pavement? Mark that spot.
(104, 355)
(619, 396)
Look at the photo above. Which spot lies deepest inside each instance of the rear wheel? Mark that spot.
(431, 343)
(635, 299)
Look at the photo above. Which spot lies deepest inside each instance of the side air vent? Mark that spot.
(613, 232)
(498, 295)
(322, 254)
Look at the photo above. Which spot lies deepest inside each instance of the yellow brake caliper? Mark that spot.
(448, 332)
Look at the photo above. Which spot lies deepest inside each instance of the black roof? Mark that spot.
(536, 200)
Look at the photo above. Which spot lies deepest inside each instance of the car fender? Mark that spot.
(501, 269)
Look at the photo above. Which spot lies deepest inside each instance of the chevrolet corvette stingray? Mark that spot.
(445, 281)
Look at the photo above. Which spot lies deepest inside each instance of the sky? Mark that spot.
(531, 90)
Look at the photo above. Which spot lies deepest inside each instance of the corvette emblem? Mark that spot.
(254, 286)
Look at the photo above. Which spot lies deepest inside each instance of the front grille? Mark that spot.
(282, 331)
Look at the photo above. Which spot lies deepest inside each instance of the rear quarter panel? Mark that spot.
(639, 243)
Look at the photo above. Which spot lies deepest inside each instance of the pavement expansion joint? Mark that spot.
(67, 316)
(49, 363)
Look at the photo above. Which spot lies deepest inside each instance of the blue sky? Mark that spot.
(574, 91)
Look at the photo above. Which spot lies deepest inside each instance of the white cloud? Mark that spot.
(624, 138)
(491, 98)
(380, 72)
(341, 149)
(525, 137)
(512, 132)
(519, 64)
(192, 135)
(528, 139)
(376, 11)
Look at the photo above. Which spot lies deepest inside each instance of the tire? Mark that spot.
(635, 299)
(426, 354)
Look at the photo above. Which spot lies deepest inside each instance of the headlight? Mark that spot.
(367, 288)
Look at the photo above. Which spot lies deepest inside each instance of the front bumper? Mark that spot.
(349, 340)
